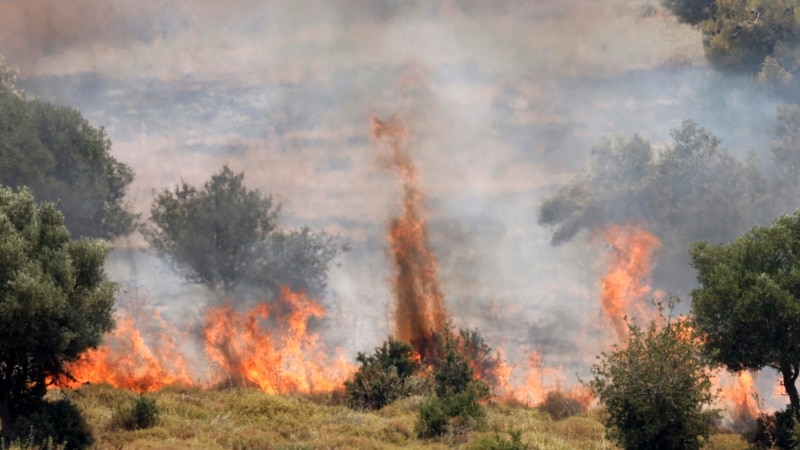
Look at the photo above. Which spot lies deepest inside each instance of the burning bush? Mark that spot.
(383, 377)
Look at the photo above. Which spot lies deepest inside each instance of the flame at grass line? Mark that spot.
(630, 261)
(269, 347)
(419, 307)
(128, 360)
(279, 359)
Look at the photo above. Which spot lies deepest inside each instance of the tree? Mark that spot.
(224, 236)
(656, 389)
(747, 305)
(55, 301)
(62, 158)
(691, 11)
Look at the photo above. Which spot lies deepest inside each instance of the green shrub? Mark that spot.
(57, 424)
(383, 377)
(498, 442)
(776, 430)
(142, 413)
(559, 405)
(458, 392)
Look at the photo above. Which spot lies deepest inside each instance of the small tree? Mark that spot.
(656, 389)
(223, 236)
(55, 301)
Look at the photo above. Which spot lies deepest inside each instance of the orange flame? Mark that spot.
(419, 300)
(286, 358)
(739, 397)
(269, 347)
(630, 261)
(128, 360)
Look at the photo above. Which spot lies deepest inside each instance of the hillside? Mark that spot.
(240, 418)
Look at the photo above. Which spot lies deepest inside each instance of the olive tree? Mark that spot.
(747, 303)
(55, 301)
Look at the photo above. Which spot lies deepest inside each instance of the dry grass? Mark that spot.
(240, 418)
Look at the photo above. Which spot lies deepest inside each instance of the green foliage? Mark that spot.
(498, 442)
(559, 405)
(746, 307)
(223, 236)
(383, 377)
(55, 301)
(438, 415)
(54, 424)
(691, 11)
(776, 430)
(693, 189)
(655, 389)
(458, 391)
(62, 158)
(141, 413)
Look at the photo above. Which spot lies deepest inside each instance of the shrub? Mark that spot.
(57, 424)
(559, 405)
(656, 390)
(383, 377)
(776, 430)
(458, 392)
(498, 442)
(142, 413)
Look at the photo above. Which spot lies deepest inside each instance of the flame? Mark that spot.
(269, 347)
(129, 360)
(419, 300)
(630, 261)
(739, 397)
(281, 358)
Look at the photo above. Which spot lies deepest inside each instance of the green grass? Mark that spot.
(241, 418)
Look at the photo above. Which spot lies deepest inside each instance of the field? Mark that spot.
(240, 418)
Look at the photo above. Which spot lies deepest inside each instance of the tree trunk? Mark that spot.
(790, 373)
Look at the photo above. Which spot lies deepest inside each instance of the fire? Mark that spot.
(419, 300)
(129, 360)
(630, 261)
(283, 357)
(269, 347)
(740, 397)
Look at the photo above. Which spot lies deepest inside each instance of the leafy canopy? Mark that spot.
(55, 301)
(657, 389)
(747, 305)
(62, 158)
(224, 235)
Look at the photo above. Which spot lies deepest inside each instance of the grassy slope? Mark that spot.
(249, 419)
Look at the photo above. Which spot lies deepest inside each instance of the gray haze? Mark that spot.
(505, 102)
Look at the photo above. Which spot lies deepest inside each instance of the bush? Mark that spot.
(498, 442)
(458, 411)
(57, 424)
(657, 389)
(142, 413)
(559, 405)
(458, 392)
(383, 377)
(776, 430)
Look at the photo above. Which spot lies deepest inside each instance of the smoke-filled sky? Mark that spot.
(503, 100)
